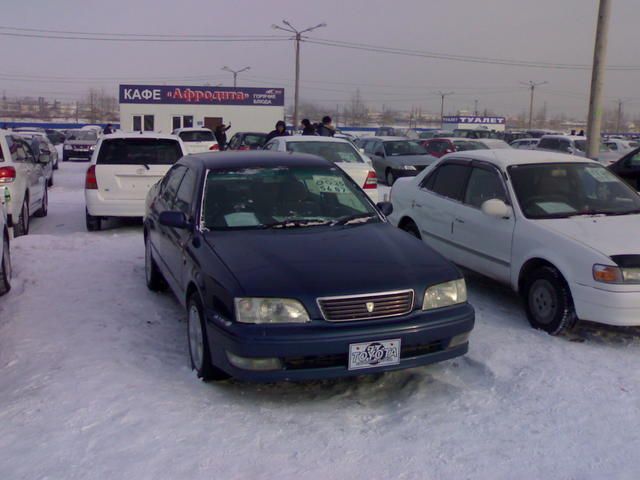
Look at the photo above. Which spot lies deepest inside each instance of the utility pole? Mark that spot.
(297, 38)
(532, 86)
(442, 96)
(235, 73)
(475, 109)
(594, 122)
(618, 123)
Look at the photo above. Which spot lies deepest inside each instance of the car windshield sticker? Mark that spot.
(602, 175)
(241, 219)
(555, 207)
(326, 184)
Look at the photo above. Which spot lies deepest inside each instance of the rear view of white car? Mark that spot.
(123, 169)
(197, 140)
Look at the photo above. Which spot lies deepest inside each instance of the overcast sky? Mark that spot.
(552, 31)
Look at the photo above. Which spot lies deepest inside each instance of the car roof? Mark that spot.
(193, 129)
(313, 138)
(506, 157)
(159, 136)
(569, 137)
(387, 138)
(254, 159)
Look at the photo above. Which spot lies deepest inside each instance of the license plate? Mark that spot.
(374, 354)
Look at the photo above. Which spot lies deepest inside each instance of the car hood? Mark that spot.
(613, 235)
(307, 263)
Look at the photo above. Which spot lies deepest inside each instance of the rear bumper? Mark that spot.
(318, 350)
(98, 206)
(605, 306)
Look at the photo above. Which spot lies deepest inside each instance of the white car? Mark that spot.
(525, 143)
(197, 140)
(41, 145)
(561, 230)
(337, 150)
(5, 253)
(25, 179)
(622, 146)
(123, 168)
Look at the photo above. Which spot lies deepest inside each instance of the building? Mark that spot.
(472, 122)
(163, 108)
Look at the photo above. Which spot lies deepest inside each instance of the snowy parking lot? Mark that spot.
(95, 383)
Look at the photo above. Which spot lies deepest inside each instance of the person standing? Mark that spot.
(280, 131)
(326, 128)
(108, 130)
(221, 135)
(307, 128)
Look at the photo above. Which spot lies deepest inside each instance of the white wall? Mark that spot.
(242, 118)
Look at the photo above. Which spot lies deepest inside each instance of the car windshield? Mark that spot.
(283, 197)
(254, 139)
(197, 136)
(561, 190)
(336, 152)
(403, 147)
(83, 135)
(139, 151)
(462, 146)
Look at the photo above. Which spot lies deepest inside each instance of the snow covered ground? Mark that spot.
(95, 384)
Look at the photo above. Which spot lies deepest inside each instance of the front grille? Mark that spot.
(366, 307)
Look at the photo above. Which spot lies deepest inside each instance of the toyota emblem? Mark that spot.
(370, 306)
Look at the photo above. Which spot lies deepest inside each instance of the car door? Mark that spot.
(628, 168)
(34, 175)
(435, 204)
(377, 156)
(483, 242)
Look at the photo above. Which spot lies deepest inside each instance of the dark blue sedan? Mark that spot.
(288, 271)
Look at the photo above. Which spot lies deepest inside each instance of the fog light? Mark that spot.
(254, 363)
(459, 340)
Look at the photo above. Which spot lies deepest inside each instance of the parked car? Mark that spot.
(247, 141)
(525, 143)
(464, 144)
(55, 136)
(394, 157)
(336, 150)
(123, 169)
(23, 176)
(5, 252)
(628, 168)
(41, 145)
(197, 140)
(438, 147)
(79, 145)
(277, 259)
(562, 231)
(622, 146)
(575, 145)
(387, 132)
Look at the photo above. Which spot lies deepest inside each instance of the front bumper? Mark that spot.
(320, 349)
(620, 308)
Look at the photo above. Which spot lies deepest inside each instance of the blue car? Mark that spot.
(289, 272)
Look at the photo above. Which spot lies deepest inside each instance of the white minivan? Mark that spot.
(123, 168)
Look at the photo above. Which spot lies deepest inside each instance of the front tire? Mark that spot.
(153, 276)
(94, 224)
(549, 304)
(5, 266)
(21, 227)
(411, 228)
(199, 352)
(43, 211)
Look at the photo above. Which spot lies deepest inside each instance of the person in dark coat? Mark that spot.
(307, 128)
(108, 130)
(221, 135)
(326, 129)
(280, 131)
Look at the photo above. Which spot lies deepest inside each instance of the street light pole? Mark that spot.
(235, 73)
(442, 95)
(532, 86)
(594, 122)
(298, 37)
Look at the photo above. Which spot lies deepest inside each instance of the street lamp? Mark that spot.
(235, 73)
(297, 38)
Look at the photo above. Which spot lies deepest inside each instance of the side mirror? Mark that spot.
(496, 208)
(361, 150)
(386, 208)
(175, 220)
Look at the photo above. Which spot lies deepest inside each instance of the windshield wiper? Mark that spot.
(357, 218)
(298, 223)
(146, 166)
(628, 212)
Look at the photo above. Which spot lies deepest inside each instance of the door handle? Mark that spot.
(459, 220)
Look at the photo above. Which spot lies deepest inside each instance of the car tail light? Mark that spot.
(371, 181)
(215, 147)
(91, 182)
(7, 174)
(243, 147)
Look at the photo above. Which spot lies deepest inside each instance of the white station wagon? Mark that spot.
(561, 230)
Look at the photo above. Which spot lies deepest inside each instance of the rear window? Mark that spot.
(139, 151)
(254, 140)
(197, 136)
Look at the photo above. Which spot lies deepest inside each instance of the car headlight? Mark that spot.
(408, 167)
(270, 310)
(92, 147)
(619, 275)
(445, 294)
(67, 147)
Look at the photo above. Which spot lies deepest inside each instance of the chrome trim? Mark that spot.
(367, 295)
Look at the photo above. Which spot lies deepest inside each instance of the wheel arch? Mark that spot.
(530, 266)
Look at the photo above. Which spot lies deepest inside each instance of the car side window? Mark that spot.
(450, 180)
(368, 147)
(484, 184)
(184, 196)
(170, 188)
(549, 143)
(270, 146)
